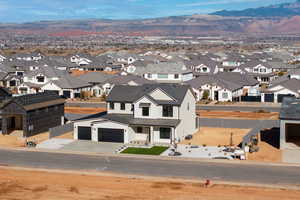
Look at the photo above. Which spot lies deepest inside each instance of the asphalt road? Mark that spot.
(257, 174)
(199, 107)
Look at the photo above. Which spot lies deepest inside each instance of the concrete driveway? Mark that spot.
(90, 146)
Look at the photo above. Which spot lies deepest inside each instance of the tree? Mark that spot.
(205, 95)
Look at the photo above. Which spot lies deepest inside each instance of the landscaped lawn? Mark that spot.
(156, 150)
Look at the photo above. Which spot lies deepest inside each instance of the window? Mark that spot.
(145, 111)
(139, 129)
(188, 106)
(204, 69)
(165, 133)
(167, 111)
(132, 107)
(225, 95)
(163, 76)
(122, 106)
(40, 79)
(176, 76)
(111, 105)
(19, 73)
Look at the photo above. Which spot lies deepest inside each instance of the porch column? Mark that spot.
(173, 137)
(151, 135)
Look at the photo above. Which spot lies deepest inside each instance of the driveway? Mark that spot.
(90, 146)
(80, 146)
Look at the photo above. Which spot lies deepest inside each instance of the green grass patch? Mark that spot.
(156, 150)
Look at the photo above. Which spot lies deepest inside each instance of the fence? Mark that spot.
(60, 130)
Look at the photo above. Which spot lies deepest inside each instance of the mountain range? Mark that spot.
(274, 19)
(280, 10)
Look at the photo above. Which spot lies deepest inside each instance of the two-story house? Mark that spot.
(148, 114)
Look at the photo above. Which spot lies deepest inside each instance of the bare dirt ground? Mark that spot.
(237, 115)
(18, 141)
(80, 110)
(266, 153)
(217, 136)
(30, 185)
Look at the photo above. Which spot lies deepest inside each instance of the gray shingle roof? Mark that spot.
(290, 109)
(70, 82)
(163, 68)
(95, 77)
(123, 93)
(291, 84)
(130, 120)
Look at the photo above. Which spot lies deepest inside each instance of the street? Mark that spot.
(232, 172)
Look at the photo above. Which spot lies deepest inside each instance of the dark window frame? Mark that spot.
(145, 111)
(111, 105)
(139, 129)
(165, 133)
(122, 106)
(168, 111)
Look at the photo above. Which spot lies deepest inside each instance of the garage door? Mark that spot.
(269, 97)
(67, 94)
(111, 135)
(84, 133)
(56, 91)
(282, 96)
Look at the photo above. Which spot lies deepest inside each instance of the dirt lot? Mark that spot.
(79, 110)
(266, 153)
(28, 185)
(18, 141)
(217, 136)
(237, 115)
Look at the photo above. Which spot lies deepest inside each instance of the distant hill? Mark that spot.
(275, 19)
(280, 10)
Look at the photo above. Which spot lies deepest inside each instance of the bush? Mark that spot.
(205, 95)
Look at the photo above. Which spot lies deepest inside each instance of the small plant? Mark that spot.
(74, 189)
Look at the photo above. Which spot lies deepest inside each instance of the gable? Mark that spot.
(50, 86)
(13, 108)
(158, 94)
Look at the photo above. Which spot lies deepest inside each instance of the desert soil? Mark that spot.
(266, 153)
(217, 136)
(30, 185)
(237, 115)
(79, 110)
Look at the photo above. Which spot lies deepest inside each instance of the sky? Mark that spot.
(18, 11)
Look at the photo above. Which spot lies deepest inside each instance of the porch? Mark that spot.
(148, 135)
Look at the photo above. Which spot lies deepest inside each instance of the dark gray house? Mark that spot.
(32, 114)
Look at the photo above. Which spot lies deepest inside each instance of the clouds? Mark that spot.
(35, 10)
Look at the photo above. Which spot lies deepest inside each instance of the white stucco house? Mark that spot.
(224, 86)
(167, 72)
(147, 114)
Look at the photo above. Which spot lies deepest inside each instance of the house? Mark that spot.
(105, 87)
(147, 114)
(4, 93)
(277, 92)
(166, 72)
(290, 124)
(67, 86)
(261, 71)
(224, 86)
(32, 114)
(34, 80)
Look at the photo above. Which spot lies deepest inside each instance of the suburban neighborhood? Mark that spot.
(150, 100)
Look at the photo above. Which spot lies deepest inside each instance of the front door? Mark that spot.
(216, 96)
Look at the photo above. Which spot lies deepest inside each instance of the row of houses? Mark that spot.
(221, 77)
